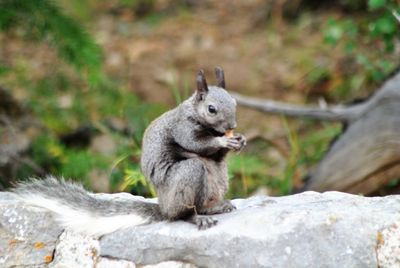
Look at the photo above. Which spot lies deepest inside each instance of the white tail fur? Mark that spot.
(83, 221)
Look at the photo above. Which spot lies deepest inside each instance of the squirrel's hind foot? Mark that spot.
(225, 206)
(203, 222)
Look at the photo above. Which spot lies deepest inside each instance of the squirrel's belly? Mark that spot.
(217, 182)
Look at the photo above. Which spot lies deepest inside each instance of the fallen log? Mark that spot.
(366, 155)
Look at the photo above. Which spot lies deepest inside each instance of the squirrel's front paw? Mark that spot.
(241, 139)
(232, 143)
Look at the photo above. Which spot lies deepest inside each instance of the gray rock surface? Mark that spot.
(75, 250)
(305, 230)
(27, 235)
(388, 249)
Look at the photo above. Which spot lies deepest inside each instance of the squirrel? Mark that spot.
(183, 156)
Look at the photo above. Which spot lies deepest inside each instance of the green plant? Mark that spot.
(371, 39)
(43, 20)
(246, 173)
(126, 174)
(286, 182)
(314, 144)
(135, 178)
(60, 160)
(62, 108)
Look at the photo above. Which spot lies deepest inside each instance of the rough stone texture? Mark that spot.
(107, 263)
(27, 235)
(169, 264)
(305, 230)
(389, 246)
(75, 250)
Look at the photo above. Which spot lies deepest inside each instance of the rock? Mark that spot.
(389, 246)
(107, 263)
(332, 229)
(75, 250)
(170, 264)
(28, 235)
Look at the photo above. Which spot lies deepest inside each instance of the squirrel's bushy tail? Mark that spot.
(82, 211)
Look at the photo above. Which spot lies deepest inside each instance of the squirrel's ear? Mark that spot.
(202, 88)
(219, 73)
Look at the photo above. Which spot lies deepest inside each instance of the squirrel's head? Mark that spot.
(216, 109)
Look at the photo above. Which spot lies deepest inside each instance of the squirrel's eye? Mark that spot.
(212, 109)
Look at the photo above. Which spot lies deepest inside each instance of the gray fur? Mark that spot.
(183, 154)
(76, 197)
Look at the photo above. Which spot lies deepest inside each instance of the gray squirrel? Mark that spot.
(183, 155)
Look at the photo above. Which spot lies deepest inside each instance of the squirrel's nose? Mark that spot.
(232, 126)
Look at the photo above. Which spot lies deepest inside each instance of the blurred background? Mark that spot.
(81, 80)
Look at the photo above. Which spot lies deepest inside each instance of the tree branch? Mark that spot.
(389, 92)
(333, 113)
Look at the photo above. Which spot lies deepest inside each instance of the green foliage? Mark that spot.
(246, 173)
(78, 163)
(136, 4)
(43, 20)
(251, 170)
(3, 69)
(180, 95)
(371, 40)
(292, 161)
(47, 152)
(126, 174)
(313, 146)
(305, 151)
(336, 30)
(55, 157)
(376, 4)
(317, 75)
(62, 107)
(245, 165)
(135, 178)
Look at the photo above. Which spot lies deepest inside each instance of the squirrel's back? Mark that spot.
(159, 148)
(155, 152)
